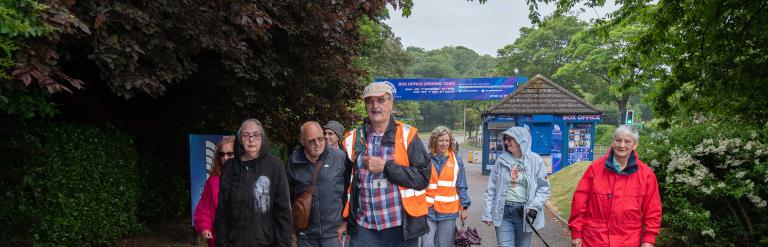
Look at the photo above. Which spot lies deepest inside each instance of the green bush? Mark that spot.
(66, 184)
(164, 176)
(713, 180)
(604, 134)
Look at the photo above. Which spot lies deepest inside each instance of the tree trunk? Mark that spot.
(623, 101)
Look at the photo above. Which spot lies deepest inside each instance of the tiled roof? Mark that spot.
(541, 96)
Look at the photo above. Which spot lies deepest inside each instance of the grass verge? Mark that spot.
(563, 184)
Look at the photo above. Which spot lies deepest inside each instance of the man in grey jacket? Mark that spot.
(328, 195)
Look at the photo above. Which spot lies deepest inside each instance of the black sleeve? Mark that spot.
(282, 207)
(416, 174)
(348, 164)
(221, 222)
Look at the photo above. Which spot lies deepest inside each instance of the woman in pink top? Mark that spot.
(206, 207)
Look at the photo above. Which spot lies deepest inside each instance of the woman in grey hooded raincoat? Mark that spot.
(517, 190)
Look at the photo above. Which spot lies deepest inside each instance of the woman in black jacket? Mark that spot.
(254, 205)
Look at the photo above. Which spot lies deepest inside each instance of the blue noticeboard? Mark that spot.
(202, 151)
(454, 88)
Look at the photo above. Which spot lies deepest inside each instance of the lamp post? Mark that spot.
(464, 110)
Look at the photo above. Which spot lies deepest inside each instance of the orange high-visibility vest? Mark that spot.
(441, 192)
(414, 201)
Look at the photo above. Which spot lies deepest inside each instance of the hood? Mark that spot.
(239, 150)
(522, 136)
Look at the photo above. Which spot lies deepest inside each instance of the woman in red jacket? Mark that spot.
(205, 211)
(617, 200)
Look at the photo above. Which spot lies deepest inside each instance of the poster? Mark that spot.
(202, 151)
(579, 143)
(557, 147)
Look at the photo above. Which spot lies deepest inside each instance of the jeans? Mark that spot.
(441, 234)
(392, 237)
(510, 233)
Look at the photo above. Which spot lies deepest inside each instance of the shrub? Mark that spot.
(604, 134)
(164, 176)
(714, 183)
(66, 184)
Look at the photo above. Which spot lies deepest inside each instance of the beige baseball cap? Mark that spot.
(378, 89)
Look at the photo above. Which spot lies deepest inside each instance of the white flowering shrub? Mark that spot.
(713, 181)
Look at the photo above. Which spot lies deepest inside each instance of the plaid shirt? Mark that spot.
(380, 208)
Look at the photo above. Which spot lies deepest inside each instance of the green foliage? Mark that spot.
(19, 20)
(382, 54)
(254, 58)
(449, 61)
(604, 134)
(34, 102)
(163, 176)
(600, 65)
(711, 50)
(541, 49)
(437, 113)
(66, 184)
(713, 183)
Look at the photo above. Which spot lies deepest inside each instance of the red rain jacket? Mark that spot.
(616, 209)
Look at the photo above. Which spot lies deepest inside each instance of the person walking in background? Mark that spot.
(617, 200)
(205, 211)
(517, 190)
(254, 200)
(386, 203)
(333, 132)
(447, 190)
(315, 164)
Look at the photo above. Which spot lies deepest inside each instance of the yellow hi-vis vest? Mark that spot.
(414, 201)
(441, 192)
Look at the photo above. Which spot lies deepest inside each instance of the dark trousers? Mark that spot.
(318, 242)
(392, 237)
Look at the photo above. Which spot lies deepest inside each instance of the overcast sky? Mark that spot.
(483, 28)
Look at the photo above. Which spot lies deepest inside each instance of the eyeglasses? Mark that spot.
(317, 141)
(251, 137)
(379, 100)
(329, 133)
(227, 154)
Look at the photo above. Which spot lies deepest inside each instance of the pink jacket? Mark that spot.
(205, 212)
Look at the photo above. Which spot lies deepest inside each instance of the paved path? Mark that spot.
(555, 232)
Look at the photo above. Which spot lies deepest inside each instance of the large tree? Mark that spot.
(714, 50)
(281, 61)
(540, 49)
(601, 67)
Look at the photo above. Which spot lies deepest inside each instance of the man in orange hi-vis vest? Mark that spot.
(386, 201)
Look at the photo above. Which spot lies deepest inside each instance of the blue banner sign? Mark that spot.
(202, 151)
(454, 88)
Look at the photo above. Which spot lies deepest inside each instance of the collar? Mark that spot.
(631, 167)
(300, 157)
(389, 134)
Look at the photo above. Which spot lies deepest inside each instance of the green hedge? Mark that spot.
(66, 184)
(713, 180)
